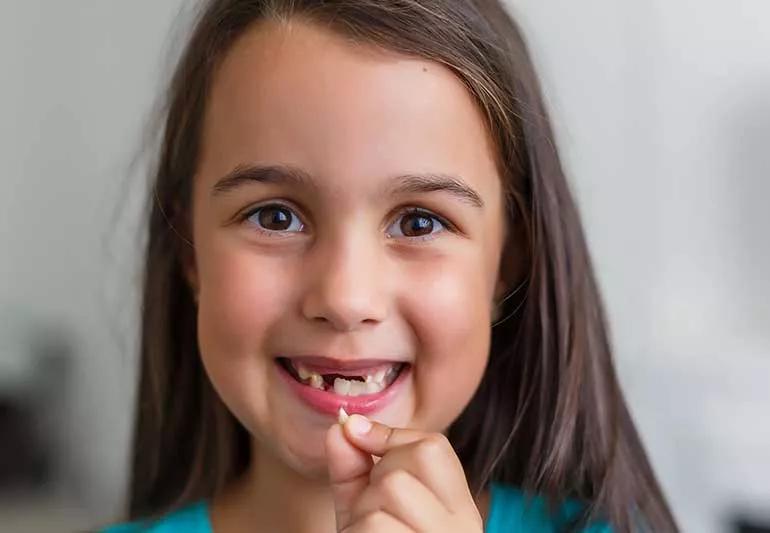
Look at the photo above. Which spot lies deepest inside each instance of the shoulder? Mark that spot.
(193, 518)
(511, 509)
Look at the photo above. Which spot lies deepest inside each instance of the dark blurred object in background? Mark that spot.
(23, 462)
(34, 362)
(747, 526)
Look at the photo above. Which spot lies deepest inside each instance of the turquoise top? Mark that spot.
(509, 511)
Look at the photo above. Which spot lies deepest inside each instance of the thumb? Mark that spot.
(349, 470)
(375, 438)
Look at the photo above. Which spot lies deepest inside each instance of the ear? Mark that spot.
(500, 290)
(513, 264)
(187, 252)
(190, 265)
(190, 270)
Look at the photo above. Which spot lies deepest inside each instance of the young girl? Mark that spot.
(359, 209)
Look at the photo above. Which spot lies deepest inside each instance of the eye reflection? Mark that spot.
(416, 223)
(412, 224)
(275, 218)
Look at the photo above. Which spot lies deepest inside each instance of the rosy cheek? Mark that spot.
(450, 314)
(240, 297)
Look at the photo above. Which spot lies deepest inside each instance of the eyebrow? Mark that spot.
(279, 174)
(402, 184)
(417, 183)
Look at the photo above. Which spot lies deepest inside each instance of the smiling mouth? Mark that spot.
(360, 382)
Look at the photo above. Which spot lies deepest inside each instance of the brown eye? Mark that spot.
(416, 224)
(275, 218)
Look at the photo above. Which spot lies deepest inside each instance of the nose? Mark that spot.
(345, 283)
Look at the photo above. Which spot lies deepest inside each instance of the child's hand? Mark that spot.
(418, 485)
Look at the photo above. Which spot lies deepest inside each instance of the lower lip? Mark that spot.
(327, 402)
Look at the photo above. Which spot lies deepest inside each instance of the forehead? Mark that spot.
(352, 114)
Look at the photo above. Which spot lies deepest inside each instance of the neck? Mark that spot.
(271, 496)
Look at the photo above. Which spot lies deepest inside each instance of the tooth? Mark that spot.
(303, 372)
(368, 379)
(341, 386)
(357, 388)
(316, 381)
(379, 377)
(374, 387)
(342, 416)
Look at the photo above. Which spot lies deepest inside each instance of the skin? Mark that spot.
(343, 279)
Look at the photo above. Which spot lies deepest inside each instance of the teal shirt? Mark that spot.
(509, 511)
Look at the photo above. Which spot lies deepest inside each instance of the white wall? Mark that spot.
(663, 116)
(77, 81)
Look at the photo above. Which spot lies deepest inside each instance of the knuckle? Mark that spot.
(390, 434)
(374, 520)
(432, 447)
(394, 482)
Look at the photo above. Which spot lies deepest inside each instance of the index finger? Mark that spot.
(349, 469)
(429, 457)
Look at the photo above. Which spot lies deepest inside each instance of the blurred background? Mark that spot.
(662, 111)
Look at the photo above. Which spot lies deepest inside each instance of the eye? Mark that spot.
(417, 224)
(275, 218)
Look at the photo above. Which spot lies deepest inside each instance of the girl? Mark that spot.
(359, 209)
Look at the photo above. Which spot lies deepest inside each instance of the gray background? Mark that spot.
(662, 110)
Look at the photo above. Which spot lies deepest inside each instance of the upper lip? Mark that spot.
(333, 363)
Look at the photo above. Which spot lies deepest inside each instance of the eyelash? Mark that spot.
(447, 226)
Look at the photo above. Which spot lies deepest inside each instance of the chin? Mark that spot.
(303, 452)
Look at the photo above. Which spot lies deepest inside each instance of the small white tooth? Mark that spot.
(368, 379)
(379, 377)
(342, 416)
(357, 388)
(374, 387)
(303, 372)
(316, 381)
(341, 386)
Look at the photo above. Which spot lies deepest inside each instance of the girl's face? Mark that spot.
(347, 207)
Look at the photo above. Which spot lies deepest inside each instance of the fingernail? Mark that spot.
(358, 424)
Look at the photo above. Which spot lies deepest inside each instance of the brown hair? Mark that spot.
(548, 416)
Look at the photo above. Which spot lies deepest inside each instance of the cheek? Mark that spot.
(239, 297)
(239, 300)
(450, 315)
(242, 297)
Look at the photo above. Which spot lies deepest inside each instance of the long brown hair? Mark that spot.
(548, 416)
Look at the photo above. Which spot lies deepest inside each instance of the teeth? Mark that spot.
(309, 377)
(378, 378)
(303, 372)
(372, 384)
(316, 381)
(342, 386)
(346, 387)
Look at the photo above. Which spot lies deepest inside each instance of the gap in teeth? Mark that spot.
(355, 386)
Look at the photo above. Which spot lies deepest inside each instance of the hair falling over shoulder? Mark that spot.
(549, 415)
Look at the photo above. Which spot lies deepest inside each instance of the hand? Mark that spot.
(417, 485)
